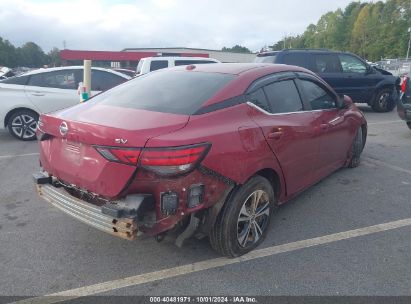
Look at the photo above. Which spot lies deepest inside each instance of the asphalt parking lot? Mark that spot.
(365, 249)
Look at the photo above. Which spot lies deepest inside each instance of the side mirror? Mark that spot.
(370, 70)
(345, 102)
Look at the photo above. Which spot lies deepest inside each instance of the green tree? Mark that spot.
(361, 32)
(54, 59)
(236, 49)
(8, 56)
(372, 30)
(31, 55)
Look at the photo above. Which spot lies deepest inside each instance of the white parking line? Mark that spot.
(18, 155)
(210, 264)
(384, 164)
(384, 122)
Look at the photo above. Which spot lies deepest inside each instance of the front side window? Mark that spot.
(64, 79)
(283, 97)
(327, 63)
(177, 92)
(317, 96)
(351, 64)
(158, 64)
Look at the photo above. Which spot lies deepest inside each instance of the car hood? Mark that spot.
(384, 72)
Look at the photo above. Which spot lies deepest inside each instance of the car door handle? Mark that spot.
(37, 94)
(275, 134)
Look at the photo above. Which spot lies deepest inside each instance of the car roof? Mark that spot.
(43, 70)
(313, 51)
(241, 68)
(246, 73)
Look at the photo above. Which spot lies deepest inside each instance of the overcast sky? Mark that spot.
(115, 25)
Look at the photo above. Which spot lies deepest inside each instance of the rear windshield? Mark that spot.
(176, 92)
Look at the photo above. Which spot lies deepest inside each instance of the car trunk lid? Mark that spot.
(68, 151)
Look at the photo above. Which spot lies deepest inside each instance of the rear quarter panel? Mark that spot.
(239, 149)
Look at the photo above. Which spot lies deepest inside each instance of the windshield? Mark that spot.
(177, 92)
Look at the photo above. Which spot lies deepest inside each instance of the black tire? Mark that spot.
(382, 101)
(230, 227)
(356, 149)
(22, 124)
(409, 124)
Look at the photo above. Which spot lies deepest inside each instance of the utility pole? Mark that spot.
(409, 42)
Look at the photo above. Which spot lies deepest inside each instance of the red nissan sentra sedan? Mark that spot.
(213, 148)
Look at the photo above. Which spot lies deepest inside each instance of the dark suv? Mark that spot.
(347, 73)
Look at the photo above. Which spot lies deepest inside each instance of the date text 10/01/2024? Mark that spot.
(203, 299)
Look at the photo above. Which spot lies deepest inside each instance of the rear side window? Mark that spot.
(177, 92)
(258, 98)
(20, 80)
(188, 62)
(283, 97)
(158, 64)
(297, 59)
(102, 81)
(326, 63)
(58, 79)
(317, 96)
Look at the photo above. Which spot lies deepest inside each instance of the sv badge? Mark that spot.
(120, 141)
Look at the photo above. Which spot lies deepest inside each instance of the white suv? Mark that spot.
(150, 64)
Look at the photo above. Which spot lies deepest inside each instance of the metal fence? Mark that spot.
(397, 66)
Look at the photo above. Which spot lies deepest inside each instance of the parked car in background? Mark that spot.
(404, 104)
(6, 72)
(25, 97)
(150, 64)
(346, 73)
(128, 72)
(164, 149)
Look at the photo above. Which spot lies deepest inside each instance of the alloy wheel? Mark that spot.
(24, 126)
(253, 218)
(383, 100)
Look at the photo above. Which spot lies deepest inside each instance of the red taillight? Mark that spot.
(169, 161)
(171, 157)
(163, 161)
(125, 156)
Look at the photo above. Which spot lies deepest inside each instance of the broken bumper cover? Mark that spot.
(87, 213)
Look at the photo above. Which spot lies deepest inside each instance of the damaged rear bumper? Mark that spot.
(87, 213)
